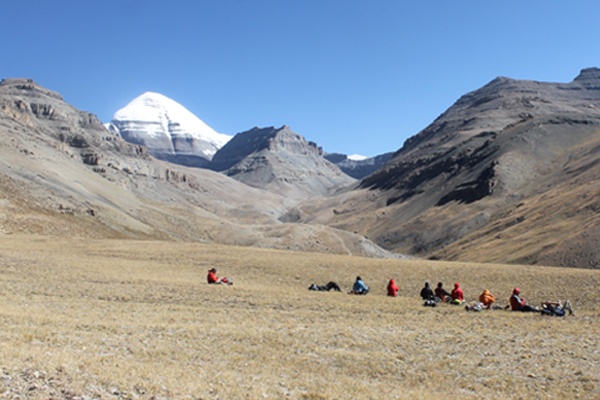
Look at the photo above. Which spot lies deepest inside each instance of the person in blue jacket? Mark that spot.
(359, 287)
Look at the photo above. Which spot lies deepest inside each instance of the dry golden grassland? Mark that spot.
(106, 319)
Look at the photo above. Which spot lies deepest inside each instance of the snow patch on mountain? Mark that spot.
(357, 157)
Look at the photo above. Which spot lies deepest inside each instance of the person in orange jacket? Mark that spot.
(212, 278)
(392, 289)
(487, 299)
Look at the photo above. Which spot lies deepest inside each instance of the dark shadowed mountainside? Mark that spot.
(509, 173)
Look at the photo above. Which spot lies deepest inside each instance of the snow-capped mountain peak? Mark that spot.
(168, 129)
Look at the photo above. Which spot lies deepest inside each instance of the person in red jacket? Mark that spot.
(519, 304)
(457, 294)
(212, 278)
(392, 289)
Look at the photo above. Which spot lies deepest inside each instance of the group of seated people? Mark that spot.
(432, 297)
(487, 300)
(440, 294)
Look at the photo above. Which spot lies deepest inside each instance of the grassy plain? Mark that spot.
(85, 319)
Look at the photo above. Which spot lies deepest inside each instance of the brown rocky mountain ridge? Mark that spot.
(281, 161)
(509, 173)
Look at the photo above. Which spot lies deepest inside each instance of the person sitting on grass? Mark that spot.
(212, 278)
(458, 296)
(359, 287)
(392, 289)
(427, 293)
(519, 304)
(441, 293)
(487, 299)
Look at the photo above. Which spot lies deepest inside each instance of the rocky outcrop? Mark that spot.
(241, 146)
(29, 86)
(47, 118)
(279, 160)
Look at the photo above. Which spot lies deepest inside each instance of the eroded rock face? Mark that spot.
(26, 85)
(474, 129)
(241, 146)
(279, 160)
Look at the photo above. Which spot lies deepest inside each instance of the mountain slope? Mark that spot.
(281, 161)
(508, 173)
(62, 173)
(167, 129)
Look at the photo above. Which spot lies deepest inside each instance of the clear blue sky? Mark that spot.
(355, 76)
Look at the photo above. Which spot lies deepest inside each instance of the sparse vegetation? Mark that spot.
(83, 319)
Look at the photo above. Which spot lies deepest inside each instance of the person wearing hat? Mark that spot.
(519, 304)
(212, 278)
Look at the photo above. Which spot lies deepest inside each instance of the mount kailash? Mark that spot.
(168, 130)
